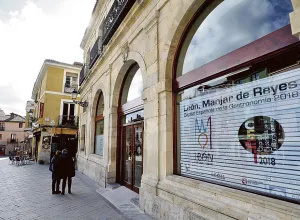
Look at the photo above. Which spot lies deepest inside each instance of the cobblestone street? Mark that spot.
(25, 193)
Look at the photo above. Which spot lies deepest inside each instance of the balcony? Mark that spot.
(82, 75)
(96, 51)
(115, 16)
(2, 128)
(68, 88)
(68, 121)
(12, 141)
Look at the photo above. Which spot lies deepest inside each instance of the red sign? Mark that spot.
(41, 110)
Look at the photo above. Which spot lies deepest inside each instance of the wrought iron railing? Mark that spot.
(70, 88)
(114, 18)
(96, 51)
(12, 141)
(68, 121)
(82, 75)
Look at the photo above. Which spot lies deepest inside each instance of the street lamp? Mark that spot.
(30, 113)
(74, 96)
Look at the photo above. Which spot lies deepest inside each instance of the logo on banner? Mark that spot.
(261, 135)
(247, 181)
(203, 132)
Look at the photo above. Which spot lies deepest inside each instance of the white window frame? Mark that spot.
(66, 72)
(68, 101)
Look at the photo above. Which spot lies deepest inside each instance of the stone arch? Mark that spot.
(133, 57)
(184, 14)
(99, 87)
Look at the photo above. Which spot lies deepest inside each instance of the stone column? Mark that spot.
(295, 18)
(112, 144)
(151, 146)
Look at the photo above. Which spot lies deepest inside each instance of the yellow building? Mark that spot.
(54, 121)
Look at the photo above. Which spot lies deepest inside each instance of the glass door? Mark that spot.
(127, 156)
(133, 156)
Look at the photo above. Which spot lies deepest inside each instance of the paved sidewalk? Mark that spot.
(25, 193)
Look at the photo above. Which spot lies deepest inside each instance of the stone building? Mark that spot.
(194, 105)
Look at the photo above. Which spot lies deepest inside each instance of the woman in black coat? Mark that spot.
(56, 172)
(68, 170)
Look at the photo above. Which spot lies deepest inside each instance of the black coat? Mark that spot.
(56, 171)
(67, 166)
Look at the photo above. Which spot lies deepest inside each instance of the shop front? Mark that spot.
(196, 108)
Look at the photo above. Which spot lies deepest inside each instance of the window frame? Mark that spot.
(0, 136)
(98, 118)
(270, 46)
(21, 124)
(13, 136)
(69, 76)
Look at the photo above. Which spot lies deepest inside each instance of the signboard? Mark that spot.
(41, 110)
(246, 136)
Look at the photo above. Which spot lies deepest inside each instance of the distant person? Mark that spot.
(68, 171)
(56, 172)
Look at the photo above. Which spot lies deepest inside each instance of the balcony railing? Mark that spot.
(68, 121)
(68, 88)
(12, 141)
(115, 16)
(2, 128)
(96, 51)
(82, 75)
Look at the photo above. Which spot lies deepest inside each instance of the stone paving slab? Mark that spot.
(25, 193)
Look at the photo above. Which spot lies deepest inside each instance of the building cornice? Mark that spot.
(50, 63)
(93, 20)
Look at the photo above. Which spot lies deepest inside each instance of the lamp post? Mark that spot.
(74, 96)
(30, 113)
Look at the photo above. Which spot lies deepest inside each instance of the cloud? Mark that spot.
(233, 24)
(136, 86)
(31, 35)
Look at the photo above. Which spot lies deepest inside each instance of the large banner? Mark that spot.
(246, 136)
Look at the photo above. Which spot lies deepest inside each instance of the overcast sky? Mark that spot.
(30, 32)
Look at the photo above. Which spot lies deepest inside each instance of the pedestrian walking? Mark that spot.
(55, 167)
(68, 170)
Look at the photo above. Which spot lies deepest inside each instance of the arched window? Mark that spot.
(99, 126)
(228, 120)
(228, 26)
(133, 86)
(131, 116)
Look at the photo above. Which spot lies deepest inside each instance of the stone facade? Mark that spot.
(149, 36)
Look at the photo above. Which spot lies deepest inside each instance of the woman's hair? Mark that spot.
(57, 153)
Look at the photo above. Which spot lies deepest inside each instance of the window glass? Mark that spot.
(0, 136)
(100, 105)
(245, 121)
(99, 126)
(99, 137)
(136, 86)
(20, 125)
(132, 117)
(229, 26)
(133, 86)
(68, 82)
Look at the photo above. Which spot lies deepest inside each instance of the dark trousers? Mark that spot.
(64, 183)
(55, 185)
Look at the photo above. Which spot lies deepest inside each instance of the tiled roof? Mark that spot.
(12, 118)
